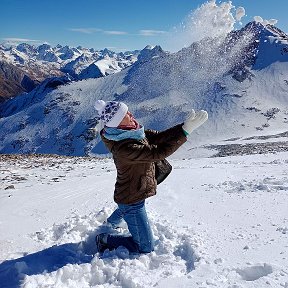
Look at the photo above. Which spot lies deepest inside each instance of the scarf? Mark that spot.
(117, 134)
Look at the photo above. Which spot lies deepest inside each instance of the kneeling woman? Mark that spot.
(136, 153)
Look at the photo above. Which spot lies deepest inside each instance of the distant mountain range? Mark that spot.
(23, 67)
(241, 79)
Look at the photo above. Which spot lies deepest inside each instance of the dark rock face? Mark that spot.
(13, 81)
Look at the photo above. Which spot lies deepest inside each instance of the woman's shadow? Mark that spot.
(12, 272)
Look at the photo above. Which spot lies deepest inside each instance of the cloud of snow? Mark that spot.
(264, 21)
(209, 20)
(240, 12)
(196, 69)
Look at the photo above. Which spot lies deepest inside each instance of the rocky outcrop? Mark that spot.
(13, 81)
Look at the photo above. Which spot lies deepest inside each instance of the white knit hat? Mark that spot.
(111, 113)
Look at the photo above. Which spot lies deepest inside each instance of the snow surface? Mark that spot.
(217, 222)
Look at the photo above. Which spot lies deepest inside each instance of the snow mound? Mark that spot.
(74, 262)
(74, 230)
(255, 272)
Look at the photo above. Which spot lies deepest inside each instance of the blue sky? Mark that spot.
(118, 25)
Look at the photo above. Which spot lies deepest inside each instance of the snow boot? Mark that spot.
(100, 243)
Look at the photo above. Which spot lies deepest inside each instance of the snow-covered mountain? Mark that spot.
(39, 63)
(240, 79)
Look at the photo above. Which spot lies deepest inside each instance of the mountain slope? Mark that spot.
(13, 81)
(228, 76)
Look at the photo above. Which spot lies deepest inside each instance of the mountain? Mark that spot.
(23, 67)
(240, 79)
(13, 81)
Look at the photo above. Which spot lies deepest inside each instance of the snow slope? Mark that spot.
(238, 76)
(217, 222)
(230, 77)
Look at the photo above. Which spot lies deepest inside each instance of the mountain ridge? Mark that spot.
(229, 77)
(44, 61)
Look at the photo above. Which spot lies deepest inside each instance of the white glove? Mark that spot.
(194, 121)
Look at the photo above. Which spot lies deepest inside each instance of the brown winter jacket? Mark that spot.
(134, 160)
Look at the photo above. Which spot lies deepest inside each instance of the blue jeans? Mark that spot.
(141, 239)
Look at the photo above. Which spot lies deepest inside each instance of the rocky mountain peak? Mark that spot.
(44, 61)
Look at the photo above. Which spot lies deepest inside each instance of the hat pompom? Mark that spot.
(99, 105)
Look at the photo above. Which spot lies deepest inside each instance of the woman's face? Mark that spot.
(127, 120)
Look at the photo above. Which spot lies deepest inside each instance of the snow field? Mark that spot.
(217, 222)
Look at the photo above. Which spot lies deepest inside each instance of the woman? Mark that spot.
(136, 153)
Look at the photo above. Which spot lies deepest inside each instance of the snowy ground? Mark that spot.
(217, 222)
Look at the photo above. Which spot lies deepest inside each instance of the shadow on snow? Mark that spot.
(12, 272)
